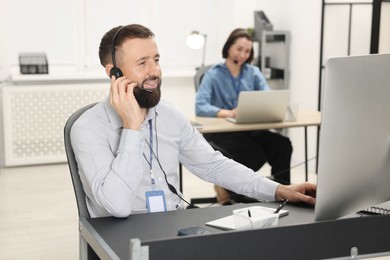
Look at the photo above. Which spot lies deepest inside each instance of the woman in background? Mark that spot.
(217, 97)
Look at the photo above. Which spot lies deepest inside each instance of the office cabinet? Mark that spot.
(274, 55)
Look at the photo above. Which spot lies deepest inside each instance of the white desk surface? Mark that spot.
(217, 125)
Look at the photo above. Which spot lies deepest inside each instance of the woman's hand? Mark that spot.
(223, 113)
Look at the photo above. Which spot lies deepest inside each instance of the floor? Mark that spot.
(38, 213)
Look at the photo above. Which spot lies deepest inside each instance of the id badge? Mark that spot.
(155, 201)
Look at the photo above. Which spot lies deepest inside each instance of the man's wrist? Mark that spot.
(279, 192)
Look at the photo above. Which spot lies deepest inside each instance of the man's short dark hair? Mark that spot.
(131, 31)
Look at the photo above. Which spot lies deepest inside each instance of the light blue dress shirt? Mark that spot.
(219, 89)
(116, 174)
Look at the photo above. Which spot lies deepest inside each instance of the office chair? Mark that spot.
(197, 80)
(234, 196)
(199, 76)
(74, 173)
(72, 163)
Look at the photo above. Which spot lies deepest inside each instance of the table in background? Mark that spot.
(305, 118)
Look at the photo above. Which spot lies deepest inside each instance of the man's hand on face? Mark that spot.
(125, 104)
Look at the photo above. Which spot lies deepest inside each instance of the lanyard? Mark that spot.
(237, 87)
(150, 162)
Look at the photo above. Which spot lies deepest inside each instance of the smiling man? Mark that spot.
(128, 147)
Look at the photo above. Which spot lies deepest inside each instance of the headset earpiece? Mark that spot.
(115, 71)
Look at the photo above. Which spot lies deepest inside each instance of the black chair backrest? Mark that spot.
(199, 75)
(197, 80)
(72, 163)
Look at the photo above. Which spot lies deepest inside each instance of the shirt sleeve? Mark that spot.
(200, 158)
(110, 177)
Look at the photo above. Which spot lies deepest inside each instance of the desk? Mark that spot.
(297, 236)
(305, 118)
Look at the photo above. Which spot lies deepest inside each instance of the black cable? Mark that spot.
(170, 186)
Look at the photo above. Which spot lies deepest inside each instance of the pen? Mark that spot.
(281, 206)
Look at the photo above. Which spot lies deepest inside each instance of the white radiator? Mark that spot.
(33, 119)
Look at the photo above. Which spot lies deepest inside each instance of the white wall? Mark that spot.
(384, 39)
(69, 31)
(3, 46)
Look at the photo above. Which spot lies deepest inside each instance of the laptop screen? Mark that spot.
(262, 106)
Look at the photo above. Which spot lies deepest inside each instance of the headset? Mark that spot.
(115, 71)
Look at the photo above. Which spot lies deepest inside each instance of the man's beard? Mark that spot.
(145, 98)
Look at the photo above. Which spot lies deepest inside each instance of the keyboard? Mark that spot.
(375, 211)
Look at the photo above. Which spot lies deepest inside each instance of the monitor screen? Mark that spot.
(354, 151)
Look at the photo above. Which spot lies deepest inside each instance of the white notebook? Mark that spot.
(227, 223)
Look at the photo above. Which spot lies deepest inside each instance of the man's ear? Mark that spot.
(108, 68)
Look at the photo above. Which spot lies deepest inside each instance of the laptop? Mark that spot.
(261, 106)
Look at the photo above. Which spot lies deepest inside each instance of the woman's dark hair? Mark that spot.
(237, 33)
(131, 31)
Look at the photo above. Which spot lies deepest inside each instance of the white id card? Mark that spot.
(155, 201)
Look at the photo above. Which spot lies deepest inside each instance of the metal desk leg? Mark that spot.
(318, 147)
(306, 162)
(95, 241)
(180, 177)
(83, 247)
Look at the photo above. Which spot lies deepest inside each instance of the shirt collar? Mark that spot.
(223, 65)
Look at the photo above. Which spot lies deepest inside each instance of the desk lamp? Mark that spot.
(197, 40)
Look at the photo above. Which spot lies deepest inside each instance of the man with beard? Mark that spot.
(129, 146)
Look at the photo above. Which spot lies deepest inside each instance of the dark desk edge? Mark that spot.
(346, 237)
(97, 243)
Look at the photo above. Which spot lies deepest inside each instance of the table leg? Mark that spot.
(83, 248)
(180, 177)
(318, 147)
(90, 239)
(306, 159)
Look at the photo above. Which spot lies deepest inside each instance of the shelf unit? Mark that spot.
(274, 56)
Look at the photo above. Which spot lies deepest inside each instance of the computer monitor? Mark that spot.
(261, 24)
(354, 151)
